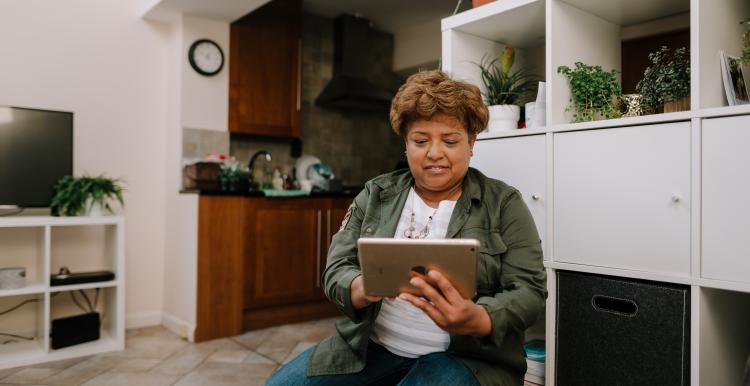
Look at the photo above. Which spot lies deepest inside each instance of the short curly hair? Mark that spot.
(432, 92)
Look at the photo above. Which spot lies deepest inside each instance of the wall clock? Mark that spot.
(206, 57)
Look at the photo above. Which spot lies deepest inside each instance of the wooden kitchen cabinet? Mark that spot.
(261, 260)
(286, 251)
(283, 251)
(264, 70)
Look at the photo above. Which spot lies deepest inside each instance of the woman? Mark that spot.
(440, 338)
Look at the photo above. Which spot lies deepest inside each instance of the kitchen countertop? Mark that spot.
(346, 192)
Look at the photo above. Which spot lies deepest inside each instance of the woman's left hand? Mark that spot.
(447, 308)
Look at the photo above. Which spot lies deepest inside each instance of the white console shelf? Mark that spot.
(655, 197)
(43, 244)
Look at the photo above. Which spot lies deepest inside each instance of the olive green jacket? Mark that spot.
(511, 280)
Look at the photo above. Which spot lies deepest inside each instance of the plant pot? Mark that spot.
(633, 105)
(682, 104)
(94, 209)
(477, 3)
(503, 118)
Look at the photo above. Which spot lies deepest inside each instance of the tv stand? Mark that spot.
(42, 244)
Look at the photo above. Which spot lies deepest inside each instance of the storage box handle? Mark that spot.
(617, 306)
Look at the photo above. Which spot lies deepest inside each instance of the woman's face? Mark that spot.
(438, 151)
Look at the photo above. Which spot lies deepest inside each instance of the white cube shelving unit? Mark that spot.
(654, 197)
(42, 245)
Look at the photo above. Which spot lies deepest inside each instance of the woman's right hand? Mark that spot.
(357, 294)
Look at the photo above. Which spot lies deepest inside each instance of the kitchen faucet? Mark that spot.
(252, 163)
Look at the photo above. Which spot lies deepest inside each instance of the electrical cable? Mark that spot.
(19, 305)
(73, 296)
(9, 310)
(16, 337)
(96, 298)
(13, 213)
(86, 298)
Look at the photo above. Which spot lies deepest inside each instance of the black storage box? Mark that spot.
(75, 330)
(614, 331)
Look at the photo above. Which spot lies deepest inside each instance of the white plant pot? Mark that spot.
(503, 118)
(94, 209)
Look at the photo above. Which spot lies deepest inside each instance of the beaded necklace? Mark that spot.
(411, 231)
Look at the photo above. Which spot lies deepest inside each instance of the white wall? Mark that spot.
(416, 45)
(205, 99)
(194, 101)
(107, 65)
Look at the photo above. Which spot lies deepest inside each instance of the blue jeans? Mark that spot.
(383, 368)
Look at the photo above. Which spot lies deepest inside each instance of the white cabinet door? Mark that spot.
(520, 162)
(726, 211)
(622, 198)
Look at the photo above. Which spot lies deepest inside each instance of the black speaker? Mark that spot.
(75, 330)
(614, 331)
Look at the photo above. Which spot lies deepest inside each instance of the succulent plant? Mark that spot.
(502, 86)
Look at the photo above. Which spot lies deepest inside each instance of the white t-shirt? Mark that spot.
(401, 327)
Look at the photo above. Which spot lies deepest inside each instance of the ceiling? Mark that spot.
(387, 15)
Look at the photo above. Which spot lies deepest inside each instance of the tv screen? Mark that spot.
(36, 149)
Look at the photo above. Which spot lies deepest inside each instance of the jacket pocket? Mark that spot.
(489, 267)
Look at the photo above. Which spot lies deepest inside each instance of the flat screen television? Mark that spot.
(36, 149)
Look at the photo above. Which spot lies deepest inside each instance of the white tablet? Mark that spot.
(388, 264)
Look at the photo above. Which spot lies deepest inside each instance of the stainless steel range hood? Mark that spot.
(350, 88)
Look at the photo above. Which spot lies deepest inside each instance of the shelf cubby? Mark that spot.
(593, 32)
(62, 305)
(719, 29)
(487, 30)
(25, 321)
(24, 247)
(724, 336)
(83, 248)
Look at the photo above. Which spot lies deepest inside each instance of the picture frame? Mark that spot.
(733, 76)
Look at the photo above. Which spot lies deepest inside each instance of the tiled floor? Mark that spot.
(154, 356)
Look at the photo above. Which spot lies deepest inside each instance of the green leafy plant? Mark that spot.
(746, 40)
(74, 196)
(593, 92)
(504, 87)
(232, 177)
(667, 79)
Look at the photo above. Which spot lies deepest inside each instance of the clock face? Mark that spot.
(206, 57)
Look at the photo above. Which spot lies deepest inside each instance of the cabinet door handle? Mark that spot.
(676, 199)
(536, 197)
(299, 75)
(328, 228)
(317, 264)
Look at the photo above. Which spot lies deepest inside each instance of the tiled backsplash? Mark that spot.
(198, 143)
(358, 146)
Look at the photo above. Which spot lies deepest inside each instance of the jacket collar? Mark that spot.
(394, 189)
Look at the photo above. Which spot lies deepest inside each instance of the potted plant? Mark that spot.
(666, 82)
(594, 93)
(233, 177)
(505, 91)
(91, 196)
